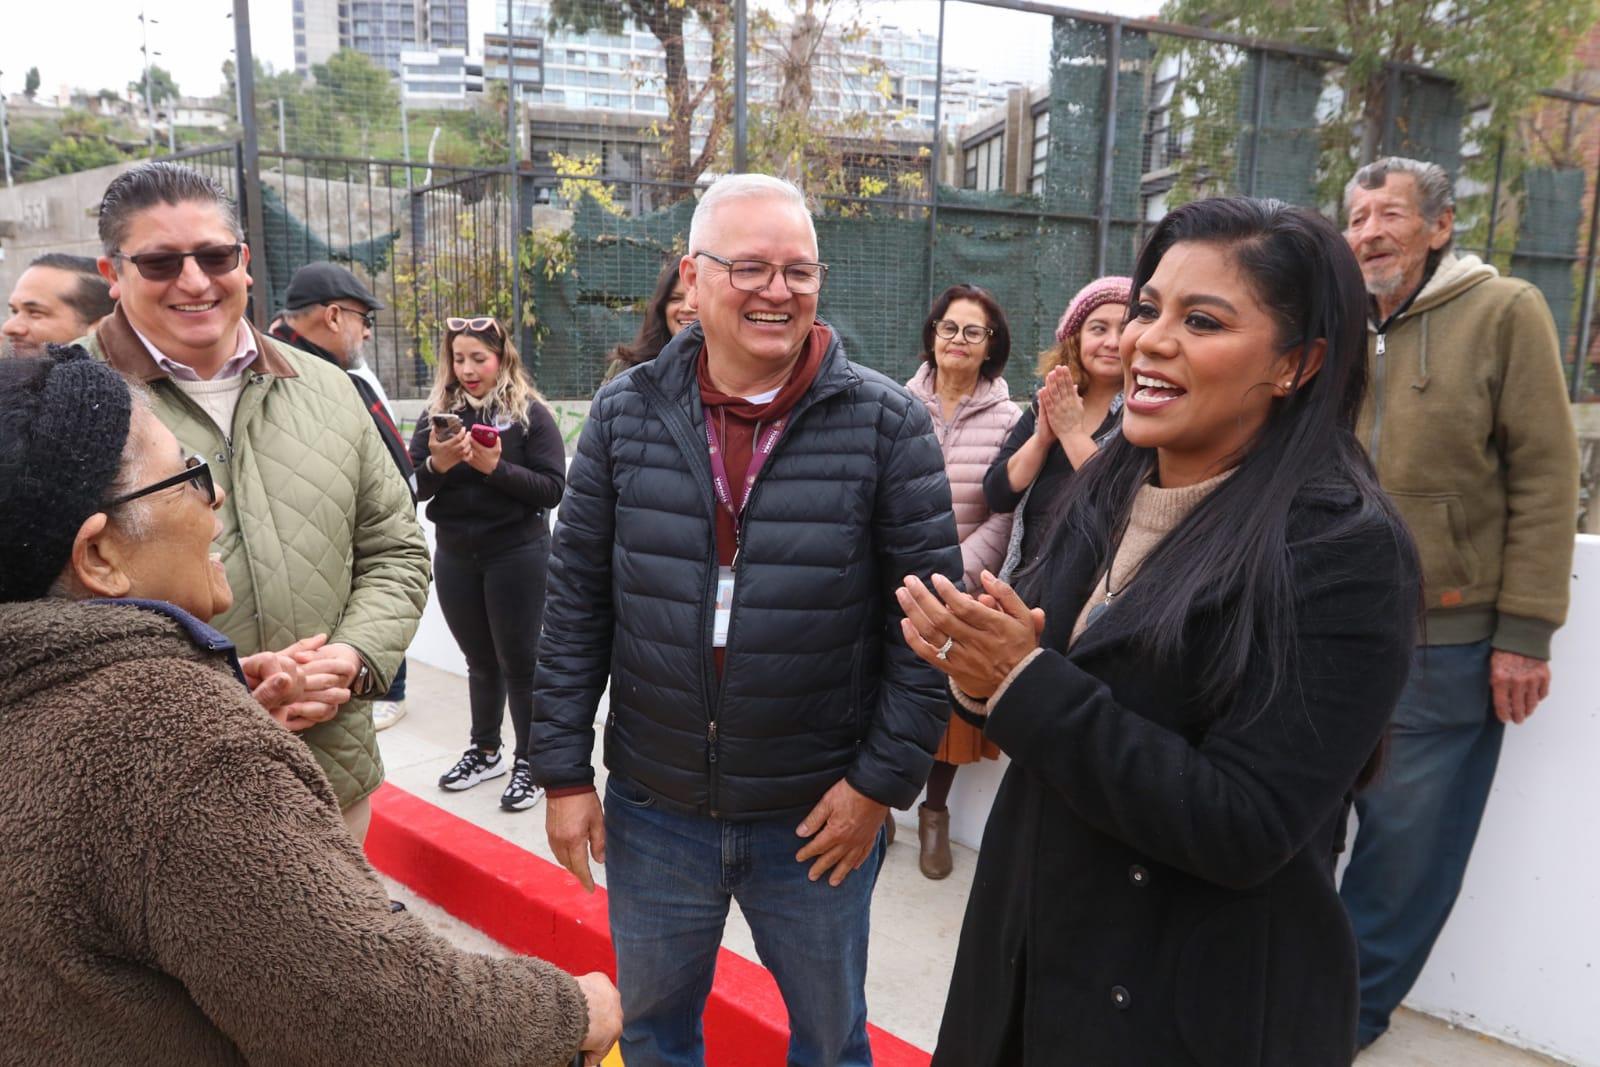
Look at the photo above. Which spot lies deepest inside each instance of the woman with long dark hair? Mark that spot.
(666, 312)
(491, 464)
(1225, 617)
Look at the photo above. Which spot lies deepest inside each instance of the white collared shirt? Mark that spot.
(244, 354)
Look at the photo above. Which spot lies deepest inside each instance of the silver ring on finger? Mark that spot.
(944, 649)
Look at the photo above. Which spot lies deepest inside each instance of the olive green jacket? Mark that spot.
(1467, 421)
(319, 534)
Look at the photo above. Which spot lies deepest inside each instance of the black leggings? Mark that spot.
(494, 606)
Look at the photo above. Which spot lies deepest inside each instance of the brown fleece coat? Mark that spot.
(177, 886)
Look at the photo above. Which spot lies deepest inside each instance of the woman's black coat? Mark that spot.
(1155, 887)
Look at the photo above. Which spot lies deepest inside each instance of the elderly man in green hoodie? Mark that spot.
(1466, 419)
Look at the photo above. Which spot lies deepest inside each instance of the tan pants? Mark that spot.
(357, 818)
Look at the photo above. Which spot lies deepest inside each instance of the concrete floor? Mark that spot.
(915, 922)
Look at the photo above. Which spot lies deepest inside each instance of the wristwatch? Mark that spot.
(362, 685)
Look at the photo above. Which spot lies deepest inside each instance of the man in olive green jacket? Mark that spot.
(1466, 419)
(319, 533)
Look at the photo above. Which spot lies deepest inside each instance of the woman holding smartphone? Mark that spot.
(1191, 683)
(491, 464)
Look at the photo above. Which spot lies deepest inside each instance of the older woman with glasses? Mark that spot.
(491, 464)
(965, 344)
(209, 905)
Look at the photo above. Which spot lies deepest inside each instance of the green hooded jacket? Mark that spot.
(319, 534)
(1466, 418)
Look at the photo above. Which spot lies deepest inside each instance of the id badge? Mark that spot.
(719, 624)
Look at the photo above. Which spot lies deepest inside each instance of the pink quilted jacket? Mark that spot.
(970, 442)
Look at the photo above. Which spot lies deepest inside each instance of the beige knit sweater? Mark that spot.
(1156, 513)
(177, 887)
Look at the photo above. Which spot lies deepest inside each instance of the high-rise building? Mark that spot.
(624, 72)
(378, 29)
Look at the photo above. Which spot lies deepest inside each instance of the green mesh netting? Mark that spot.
(1428, 125)
(291, 244)
(1552, 217)
(1288, 139)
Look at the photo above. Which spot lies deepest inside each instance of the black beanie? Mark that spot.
(64, 422)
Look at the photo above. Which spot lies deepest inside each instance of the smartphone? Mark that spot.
(445, 426)
(485, 435)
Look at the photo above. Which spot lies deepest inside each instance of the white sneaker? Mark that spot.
(473, 767)
(385, 713)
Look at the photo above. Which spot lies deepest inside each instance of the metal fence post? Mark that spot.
(741, 101)
(513, 157)
(1108, 146)
(1257, 106)
(250, 156)
(1581, 355)
(938, 156)
(1494, 199)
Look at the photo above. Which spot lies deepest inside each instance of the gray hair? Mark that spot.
(1435, 193)
(743, 187)
(145, 185)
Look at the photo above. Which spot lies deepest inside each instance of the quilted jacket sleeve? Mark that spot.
(997, 491)
(575, 652)
(914, 532)
(390, 571)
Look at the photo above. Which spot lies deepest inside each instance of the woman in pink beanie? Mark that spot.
(1078, 407)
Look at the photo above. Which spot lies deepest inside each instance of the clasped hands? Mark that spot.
(984, 637)
(303, 684)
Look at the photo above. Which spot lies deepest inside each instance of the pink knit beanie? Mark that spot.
(1112, 289)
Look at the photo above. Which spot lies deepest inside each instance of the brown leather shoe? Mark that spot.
(888, 827)
(933, 834)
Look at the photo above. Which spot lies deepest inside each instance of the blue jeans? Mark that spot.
(670, 878)
(1419, 821)
(397, 688)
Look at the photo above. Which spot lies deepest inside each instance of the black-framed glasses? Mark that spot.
(477, 324)
(972, 333)
(195, 470)
(754, 275)
(215, 260)
(367, 316)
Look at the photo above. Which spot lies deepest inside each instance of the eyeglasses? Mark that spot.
(754, 275)
(481, 324)
(972, 334)
(369, 317)
(215, 260)
(195, 470)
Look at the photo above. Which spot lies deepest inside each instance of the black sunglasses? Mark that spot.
(195, 469)
(215, 260)
(370, 317)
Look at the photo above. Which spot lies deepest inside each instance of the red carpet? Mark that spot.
(532, 906)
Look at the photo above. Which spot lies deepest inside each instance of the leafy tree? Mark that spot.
(1498, 54)
(83, 141)
(30, 84)
(666, 21)
(809, 52)
(162, 86)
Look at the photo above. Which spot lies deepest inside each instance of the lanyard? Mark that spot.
(762, 447)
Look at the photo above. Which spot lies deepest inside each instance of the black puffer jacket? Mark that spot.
(819, 683)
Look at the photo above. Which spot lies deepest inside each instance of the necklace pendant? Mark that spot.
(1097, 611)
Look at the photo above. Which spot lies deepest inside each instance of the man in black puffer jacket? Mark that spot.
(736, 520)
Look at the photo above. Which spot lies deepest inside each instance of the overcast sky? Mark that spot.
(94, 44)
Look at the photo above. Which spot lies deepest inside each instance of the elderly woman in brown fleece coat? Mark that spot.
(177, 886)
